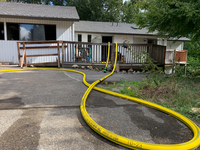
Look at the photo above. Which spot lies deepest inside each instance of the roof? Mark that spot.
(21, 10)
(180, 39)
(112, 28)
(109, 27)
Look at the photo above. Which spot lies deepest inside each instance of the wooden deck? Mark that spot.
(95, 54)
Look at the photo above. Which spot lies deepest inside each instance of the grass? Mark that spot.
(180, 94)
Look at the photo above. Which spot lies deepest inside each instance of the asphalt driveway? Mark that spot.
(40, 110)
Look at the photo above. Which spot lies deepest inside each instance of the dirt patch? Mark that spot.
(11, 103)
(23, 134)
(167, 132)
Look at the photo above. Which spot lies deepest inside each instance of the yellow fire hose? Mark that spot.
(190, 145)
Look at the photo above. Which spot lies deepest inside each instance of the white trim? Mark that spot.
(5, 31)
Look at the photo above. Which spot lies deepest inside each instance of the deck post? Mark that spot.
(186, 63)
(164, 59)
(113, 54)
(19, 57)
(63, 53)
(58, 46)
(174, 61)
(25, 60)
(22, 63)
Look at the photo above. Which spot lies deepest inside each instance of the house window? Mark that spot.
(152, 41)
(50, 32)
(30, 32)
(13, 31)
(89, 38)
(79, 38)
(1, 31)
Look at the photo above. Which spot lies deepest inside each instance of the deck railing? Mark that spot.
(127, 53)
(44, 52)
(176, 56)
(39, 53)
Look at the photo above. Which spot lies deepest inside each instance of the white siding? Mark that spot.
(162, 41)
(8, 49)
(97, 38)
(176, 45)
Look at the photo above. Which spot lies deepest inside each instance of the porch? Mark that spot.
(81, 53)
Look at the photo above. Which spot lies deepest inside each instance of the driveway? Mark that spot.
(40, 110)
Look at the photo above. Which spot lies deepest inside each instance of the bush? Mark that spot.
(193, 68)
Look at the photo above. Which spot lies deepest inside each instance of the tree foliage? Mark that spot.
(95, 10)
(171, 18)
(193, 48)
(128, 11)
(26, 1)
(104, 10)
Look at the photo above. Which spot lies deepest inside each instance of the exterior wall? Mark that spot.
(8, 48)
(135, 39)
(122, 38)
(162, 41)
(176, 45)
(97, 38)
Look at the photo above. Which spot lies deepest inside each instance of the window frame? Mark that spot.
(29, 24)
(3, 31)
(89, 38)
(80, 37)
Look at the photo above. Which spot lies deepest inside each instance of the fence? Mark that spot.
(176, 56)
(97, 52)
(39, 53)
(53, 52)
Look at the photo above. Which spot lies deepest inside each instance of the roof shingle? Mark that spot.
(38, 11)
(113, 28)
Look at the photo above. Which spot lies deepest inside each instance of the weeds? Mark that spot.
(181, 99)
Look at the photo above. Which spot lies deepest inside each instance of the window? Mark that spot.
(13, 31)
(30, 32)
(152, 41)
(1, 31)
(89, 38)
(50, 32)
(79, 37)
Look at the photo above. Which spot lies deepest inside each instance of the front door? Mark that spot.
(106, 39)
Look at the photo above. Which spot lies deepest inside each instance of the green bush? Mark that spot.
(193, 68)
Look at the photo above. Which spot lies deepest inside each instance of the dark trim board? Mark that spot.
(39, 18)
(102, 65)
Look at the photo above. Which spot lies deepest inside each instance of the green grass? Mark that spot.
(180, 94)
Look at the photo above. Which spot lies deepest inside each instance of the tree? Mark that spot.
(128, 11)
(193, 48)
(170, 18)
(97, 10)
(26, 1)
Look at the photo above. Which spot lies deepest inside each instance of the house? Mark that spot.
(58, 27)
(33, 22)
(102, 32)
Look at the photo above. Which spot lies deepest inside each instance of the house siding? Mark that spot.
(176, 45)
(135, 39)
(97, 38)
(8, 49)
